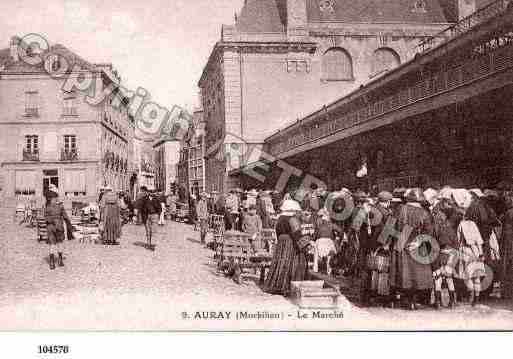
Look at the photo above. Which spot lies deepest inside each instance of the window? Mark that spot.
(337, 65)
(384, 59)
(25, 183)
(70, 105)
(32, 144)
(31, 103)
(74, 183)
(70, 143)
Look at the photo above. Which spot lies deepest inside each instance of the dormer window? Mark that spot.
(70, 104)
(327, 7)
(419, 6)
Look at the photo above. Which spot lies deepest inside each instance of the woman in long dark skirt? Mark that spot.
(289, 261)
(111, 218)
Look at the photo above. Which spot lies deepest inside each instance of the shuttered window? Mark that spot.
(74, 182)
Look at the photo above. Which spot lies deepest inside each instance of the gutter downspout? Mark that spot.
(241, 62)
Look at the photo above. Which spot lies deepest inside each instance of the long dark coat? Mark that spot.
(406, 271)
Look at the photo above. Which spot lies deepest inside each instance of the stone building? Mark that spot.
(167, 156)
(51, 134)
(443, 118)
(196, 153)
(282, 59)
(191, 167)
(144, 165)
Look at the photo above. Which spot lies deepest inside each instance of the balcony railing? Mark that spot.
(496, 60)
(69, 154)
(486, 13)
(69, 111)
(32, 111)
(30, 155)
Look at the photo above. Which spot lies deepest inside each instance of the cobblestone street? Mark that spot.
(130, 288)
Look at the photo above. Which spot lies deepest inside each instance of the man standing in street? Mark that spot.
(55, 216)
(145, 208)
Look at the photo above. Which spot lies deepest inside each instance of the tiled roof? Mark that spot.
(378, 11)
(271, 15)
(70, 56)
(261, 16)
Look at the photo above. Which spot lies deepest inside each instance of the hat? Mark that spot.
(300, 195)
(462, 197)
(504, 186)
(290, 205)
(253, 192)
(385, 196)
(203, 194)
(399, 192)
(431, 195)
(490, 193)
(415, 195)
(345, 190)
(323, 212)
(360, 195)
(477, 192)
(445, 193)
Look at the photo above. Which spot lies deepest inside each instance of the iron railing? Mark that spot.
(69, 154)
(498, 59)
(30, 155)
(486, 13)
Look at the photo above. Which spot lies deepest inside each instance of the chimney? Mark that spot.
(296, 19)
(455, 10)
(466, 8)
(15, 44)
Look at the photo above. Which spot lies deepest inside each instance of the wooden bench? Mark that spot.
(217, 227)
(316, 289)
(237, 254)
(42, 234)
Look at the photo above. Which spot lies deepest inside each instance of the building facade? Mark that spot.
(145, 167)
(283, 59)
(191, 167)
(167, 156)
(51, 134)
(442, 119)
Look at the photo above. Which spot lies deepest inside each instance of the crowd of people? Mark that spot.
(403, 247)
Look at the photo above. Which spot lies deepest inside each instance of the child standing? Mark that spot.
(325, 247)
(252, 225)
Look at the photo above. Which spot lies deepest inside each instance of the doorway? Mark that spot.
(50, 177)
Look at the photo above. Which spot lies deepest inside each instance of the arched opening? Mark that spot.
(337, 65)
(384, 59)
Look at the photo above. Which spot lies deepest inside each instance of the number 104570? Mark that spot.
(52, 349)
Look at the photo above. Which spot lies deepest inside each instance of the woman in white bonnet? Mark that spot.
(289, 260)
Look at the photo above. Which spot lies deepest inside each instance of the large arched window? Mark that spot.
(384, 59)
(337, 65)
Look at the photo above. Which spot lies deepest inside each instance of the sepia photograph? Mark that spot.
(255, 166)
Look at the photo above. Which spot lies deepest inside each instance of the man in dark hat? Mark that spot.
(145, 208)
